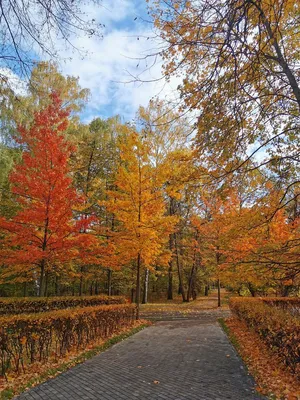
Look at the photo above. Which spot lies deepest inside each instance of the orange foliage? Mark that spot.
(29, 339)
(216, 225)
(271, 376)
(277, 328)
(36, 305)
(138, 205)
(43, 235)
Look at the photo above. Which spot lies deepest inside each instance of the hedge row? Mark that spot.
(26, 339)
(290, 304)
(37, 305)
(278, 329)
(281, 300)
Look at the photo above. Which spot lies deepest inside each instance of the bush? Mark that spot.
(26, 339)
(37, 305)
(278, 329)
(291, 305)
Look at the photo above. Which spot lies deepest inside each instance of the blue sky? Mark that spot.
(111, 61)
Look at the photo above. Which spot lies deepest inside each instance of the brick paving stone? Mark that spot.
(171, 360)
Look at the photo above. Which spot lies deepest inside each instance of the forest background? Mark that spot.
(195, 191)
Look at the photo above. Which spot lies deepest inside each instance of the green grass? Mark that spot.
(8, 394)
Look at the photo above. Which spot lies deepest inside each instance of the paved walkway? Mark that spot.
(172, 360)
(207, 316)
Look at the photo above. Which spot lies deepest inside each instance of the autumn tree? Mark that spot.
(18, 109)
(94, 166)
(164, 129)
(239, 70)
(186, 254)
(264, 255)
(216, 222)
(45, 78)
(239, 64)
(143, 228)
(43, 237)
(167, 136)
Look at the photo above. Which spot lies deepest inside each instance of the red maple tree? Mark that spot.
(43, 236)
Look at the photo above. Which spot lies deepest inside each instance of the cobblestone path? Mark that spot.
(171, 360)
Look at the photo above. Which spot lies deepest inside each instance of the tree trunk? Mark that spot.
(170, 271)
(56, 286)
(190, 286)
(193, 285)
(280, 58)
(132, 295)
(46, 283)
(206, 290)
(218, 256)
(81, 281)
(109, 280)
(192, 277)
(107, 222)
(138, 286)
(96, 288)
(170, 281)
(286, 290)
(25, 289)
(251, 289)
(146, 283)
(91, 288)
(194, 291)
(181, 288)
(42, 273)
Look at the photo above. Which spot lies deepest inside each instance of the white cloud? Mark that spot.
(14, 81)
(109, 11)
(109, 71)
(111, 64)
(259, 154)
